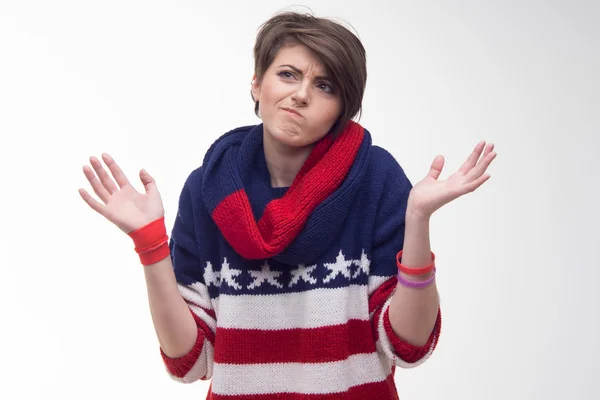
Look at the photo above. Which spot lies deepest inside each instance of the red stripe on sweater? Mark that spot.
(384, 390)
(208, 333)
(314, 345)
(210, 312)
(375, 323)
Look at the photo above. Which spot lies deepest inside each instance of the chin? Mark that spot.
(288, 134)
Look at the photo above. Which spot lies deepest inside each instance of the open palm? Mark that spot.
(121, 203)
(431, 193)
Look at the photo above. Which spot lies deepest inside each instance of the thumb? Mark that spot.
(436, 167)
(148, 181)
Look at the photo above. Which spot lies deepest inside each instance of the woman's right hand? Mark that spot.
(123, 205)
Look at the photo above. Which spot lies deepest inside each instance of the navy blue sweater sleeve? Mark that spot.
(183, 243)
(388, 239)
(388, 233)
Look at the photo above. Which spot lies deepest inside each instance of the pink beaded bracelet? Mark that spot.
(415, 284)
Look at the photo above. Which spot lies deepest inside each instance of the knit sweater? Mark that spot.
(317, 328)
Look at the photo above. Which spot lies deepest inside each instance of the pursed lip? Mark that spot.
(293, 111)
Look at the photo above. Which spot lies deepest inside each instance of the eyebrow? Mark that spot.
(323, 77)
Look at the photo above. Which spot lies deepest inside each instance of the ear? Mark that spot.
(255, 90)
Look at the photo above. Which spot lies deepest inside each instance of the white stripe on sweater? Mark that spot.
(375, 282)
(311, 309)
(195, 296)
(319, 378)
(196, 293)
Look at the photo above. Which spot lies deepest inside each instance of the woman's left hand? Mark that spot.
(430, 194)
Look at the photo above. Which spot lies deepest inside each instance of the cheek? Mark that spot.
(331, 111)
(271, 93)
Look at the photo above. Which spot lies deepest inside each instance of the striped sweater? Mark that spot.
(316, 329)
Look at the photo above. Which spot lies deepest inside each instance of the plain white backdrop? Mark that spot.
(155, 83)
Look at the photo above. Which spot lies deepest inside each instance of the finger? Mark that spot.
(115, 170)
(148, 181)
(436, 167)
(472, 160)
(488, 149)
(107, 182)
(93, 203)
(481, 167)
(96, 185)
(472, 186)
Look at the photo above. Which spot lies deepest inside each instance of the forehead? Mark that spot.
(300, 57)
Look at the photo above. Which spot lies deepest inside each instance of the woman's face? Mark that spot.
(298, 104)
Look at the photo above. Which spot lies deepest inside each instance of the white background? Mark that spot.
(155, 83)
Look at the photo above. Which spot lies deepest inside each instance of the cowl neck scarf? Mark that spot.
(299, 226)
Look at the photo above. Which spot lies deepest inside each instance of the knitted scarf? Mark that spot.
(303, 223)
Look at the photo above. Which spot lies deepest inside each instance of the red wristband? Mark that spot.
(414, 271)
(151, 241)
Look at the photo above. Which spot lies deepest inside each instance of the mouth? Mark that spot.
(293, 112)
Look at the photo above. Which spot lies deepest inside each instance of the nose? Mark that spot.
(301, 94)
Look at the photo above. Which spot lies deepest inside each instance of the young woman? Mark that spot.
(299, 265)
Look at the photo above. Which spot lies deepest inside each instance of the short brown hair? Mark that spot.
(340, 51)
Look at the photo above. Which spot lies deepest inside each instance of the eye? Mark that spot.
(325, 87)
(286, 74)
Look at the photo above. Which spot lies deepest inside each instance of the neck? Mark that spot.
(284, 162)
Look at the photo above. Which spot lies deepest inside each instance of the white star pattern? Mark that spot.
(228, 274)
(303, 272)
(341, 266)
(265, 275)
(211, 277)
(310, 274)
(362, 264)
